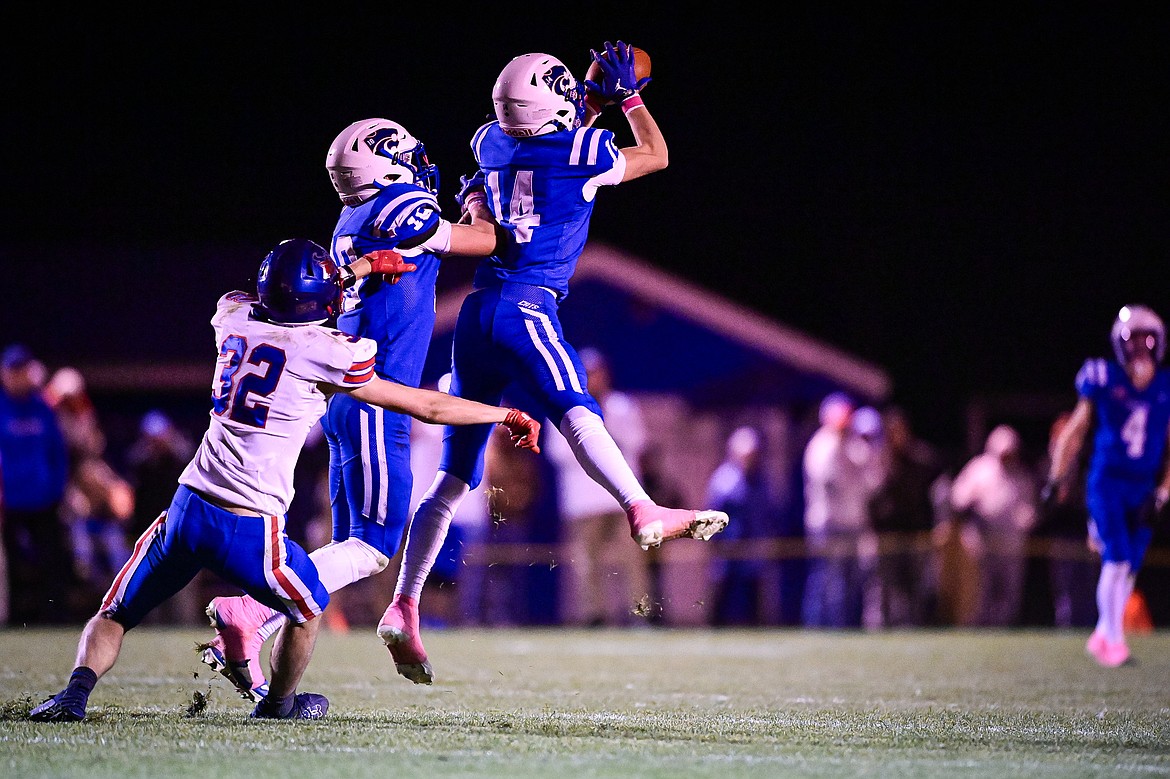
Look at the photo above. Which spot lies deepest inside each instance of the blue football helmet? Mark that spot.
(1138, 328)
(372, 154)
(299, 283)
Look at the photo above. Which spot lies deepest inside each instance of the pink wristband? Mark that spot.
(630, 103)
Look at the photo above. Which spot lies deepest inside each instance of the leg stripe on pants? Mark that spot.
(374, 454)
(282, 579)
(118, 588)
(555, 343)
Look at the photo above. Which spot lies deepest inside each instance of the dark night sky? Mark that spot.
(965, 198)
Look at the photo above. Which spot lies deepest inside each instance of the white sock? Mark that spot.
(428, 530)
(345, 562)
(599, 455)
(338, 564)
(1109, 611)
(1121, 592)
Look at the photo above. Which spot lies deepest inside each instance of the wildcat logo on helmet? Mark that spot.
(561, 82)
(384, 141)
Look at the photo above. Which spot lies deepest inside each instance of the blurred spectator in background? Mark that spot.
(66, 394)
(1064, 522)
(35, 463)
(155, 460)
(841, 473)
(98, 503)
(5, 600)
(606, 575)
(739, 573)
(866, 444)
(994, 497)
(902, 514)
(660, 480)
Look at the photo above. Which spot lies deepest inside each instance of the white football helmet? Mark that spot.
(536, 94)
(372, 154)
(1138, 327)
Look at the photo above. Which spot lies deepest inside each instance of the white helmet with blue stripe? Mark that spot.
(372, 154)
(536, 94)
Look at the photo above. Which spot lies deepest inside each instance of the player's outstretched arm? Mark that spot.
(477, 234)
(439, 408)
(619, 84)
(650, 154)
(1067, 449)
(385, 261)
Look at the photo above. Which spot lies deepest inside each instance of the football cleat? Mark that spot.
(62, 707)
(305, 705)
(235, 650)
(651, 524)
(1096, 644)
(211, 654)
(1114, 654)
(399, 632)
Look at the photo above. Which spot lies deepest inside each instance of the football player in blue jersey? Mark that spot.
(1126, 405)
(541, 168)
(387, 186)
(279, 359)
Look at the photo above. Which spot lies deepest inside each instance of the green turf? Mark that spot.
(551, 703)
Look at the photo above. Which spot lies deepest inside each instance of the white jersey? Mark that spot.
(265, 398)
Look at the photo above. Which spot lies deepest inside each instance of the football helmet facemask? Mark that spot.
(298, 283)
(536, 94)
(1138, 328)
(372, 154)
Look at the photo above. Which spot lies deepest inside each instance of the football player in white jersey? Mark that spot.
(542, 168)
(279, 360)
(387, 186)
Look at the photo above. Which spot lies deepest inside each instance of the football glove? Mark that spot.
(618, 80)
(522, 429)
(468, 186)
(390, 263)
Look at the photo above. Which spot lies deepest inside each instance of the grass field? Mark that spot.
(554, 702)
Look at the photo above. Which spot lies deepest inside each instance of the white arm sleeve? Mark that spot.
(440, 242)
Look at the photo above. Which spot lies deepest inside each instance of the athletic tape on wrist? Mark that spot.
(632, 102)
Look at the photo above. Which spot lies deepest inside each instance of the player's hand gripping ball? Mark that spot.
(595, 75)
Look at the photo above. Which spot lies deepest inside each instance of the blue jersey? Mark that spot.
(399, 317)
(1130, 437)
(542, 190)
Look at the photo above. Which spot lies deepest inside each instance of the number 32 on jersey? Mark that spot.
(231, 391)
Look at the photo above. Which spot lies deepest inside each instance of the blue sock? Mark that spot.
(282, 707)
(81, 682)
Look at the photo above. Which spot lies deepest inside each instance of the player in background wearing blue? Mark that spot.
(279, 359)
(542, 168)
(387, 187)
(1127, 405)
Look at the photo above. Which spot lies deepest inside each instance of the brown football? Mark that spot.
(641, 68)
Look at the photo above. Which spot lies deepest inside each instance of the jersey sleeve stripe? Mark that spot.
(359, 378)
(594, 143)
(402, 208)
(578, 143)
(361, 366)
